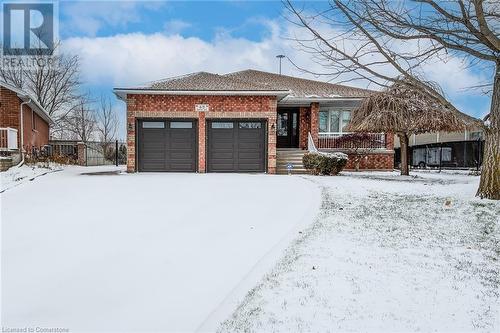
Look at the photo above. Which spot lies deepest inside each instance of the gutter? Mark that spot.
(121, 93)
(298, 100)
(21, 127)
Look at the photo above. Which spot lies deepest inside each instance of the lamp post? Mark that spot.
(280, 56)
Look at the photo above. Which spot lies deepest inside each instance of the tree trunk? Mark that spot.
(489, 186)
(403, 142)
(357, 162)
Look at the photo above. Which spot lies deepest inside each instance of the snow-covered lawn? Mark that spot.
(19, 175)
(142, 252)
(385, 254)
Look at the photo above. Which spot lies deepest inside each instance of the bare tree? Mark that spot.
(80, 122)
(107, 126)
(384, 42)
(53, 80)
(107, 120)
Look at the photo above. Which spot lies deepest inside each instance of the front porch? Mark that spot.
(325, 124)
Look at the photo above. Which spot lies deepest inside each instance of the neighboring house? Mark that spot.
(456, 149)
(36, 122)
(248, 121)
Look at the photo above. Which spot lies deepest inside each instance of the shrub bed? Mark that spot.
(324, 163)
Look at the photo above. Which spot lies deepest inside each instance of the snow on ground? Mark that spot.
(19, 175)
(385, 254)
(142, 252)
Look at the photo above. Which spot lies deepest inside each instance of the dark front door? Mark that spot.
(236, 146)
(167, 145)
(287, 128)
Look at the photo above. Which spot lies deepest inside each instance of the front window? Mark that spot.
(323, 121)
(333, 120)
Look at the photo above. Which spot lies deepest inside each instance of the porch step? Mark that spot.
(290, 156)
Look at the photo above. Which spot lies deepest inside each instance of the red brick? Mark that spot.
(34, 136)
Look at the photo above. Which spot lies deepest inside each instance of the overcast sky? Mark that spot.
(129, 43)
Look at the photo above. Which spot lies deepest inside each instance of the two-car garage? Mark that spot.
(172, 145)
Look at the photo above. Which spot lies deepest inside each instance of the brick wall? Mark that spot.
(314, 121)
(375, 161)
(177, 106)
(304, 126)
(36, 130)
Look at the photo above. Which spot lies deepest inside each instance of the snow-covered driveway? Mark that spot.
(140, 252)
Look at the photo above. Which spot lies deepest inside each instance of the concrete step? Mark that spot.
(296, 151)
(289, 160)
(290, 154)
(295, 165)
(294, 172)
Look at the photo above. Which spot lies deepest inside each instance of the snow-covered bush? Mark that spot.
(324, 163)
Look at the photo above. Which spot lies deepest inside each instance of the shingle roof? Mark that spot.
(253, 80)
(300, 88)
(209, 82)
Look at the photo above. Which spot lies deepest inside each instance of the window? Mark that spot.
(181, 124)
(222, 125)
(250, 125)
(153, 124)
(282, 124)
(475, 135)
(323, 121)
(333, 120)
(346, 118)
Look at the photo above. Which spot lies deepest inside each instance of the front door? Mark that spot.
(287, 128)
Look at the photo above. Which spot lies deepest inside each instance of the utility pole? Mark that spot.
(280, 56)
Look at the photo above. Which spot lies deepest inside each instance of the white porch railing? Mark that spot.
(334, 140)
(311, 147)
(8, 139)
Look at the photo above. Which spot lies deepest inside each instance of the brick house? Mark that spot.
(247, 121)
(36, 122)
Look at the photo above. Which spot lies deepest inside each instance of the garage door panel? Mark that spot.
(257, 146)
(181, 155)
(222, 147)
(171, 147)
(251, 135)
(249, 168)
(240, 149)
(249, 156)
(223, 138)
(222, 155)
(222, 167)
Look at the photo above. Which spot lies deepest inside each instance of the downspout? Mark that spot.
(22, 132)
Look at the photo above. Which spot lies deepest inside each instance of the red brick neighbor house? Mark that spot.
(247, 121)
(34, 133)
